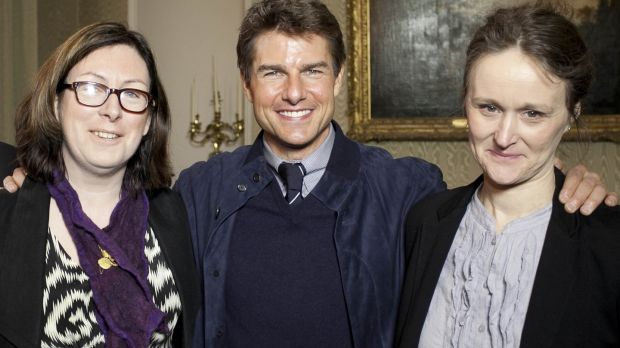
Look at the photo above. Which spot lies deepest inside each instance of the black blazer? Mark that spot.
(575, 298)
(23, 229)
(7, 160)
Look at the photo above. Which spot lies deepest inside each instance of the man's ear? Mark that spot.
(339, 80)
(246, 88)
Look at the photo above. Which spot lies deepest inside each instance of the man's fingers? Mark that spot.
(588, 194)
(558, 163)
(595, 198)
(9, 184)
(19, 175)
(611, 199)
(574, 177)
(13, 183)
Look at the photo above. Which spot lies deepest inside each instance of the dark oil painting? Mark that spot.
(417, 51)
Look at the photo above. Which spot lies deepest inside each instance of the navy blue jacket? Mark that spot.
(368, 190)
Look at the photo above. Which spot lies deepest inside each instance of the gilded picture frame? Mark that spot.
(366, 127)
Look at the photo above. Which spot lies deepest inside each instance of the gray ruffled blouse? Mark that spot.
(484, 288)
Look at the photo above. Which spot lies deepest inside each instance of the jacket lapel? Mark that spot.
(23, 265)
(434, 239)
(167, 219)
(341, 173)
(554, 277)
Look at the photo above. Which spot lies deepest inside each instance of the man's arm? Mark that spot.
(582, 189)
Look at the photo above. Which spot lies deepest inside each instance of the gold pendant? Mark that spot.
(106, 261)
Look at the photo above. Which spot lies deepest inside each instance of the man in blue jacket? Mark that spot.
(299, 236)
(325, 270)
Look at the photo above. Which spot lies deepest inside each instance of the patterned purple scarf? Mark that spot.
(121, 295)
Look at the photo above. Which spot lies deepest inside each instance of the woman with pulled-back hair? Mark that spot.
(95, 248)
(499, 263)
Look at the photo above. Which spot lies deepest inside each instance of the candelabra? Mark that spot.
(216, 132)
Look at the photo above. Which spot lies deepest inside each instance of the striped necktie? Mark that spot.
(293, 176)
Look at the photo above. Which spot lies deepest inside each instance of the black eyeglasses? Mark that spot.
(95, 94)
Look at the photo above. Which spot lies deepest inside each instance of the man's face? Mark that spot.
(292, 89)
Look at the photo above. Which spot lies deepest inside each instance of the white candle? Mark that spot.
(216, 102)
(194, 101)
(239, 103)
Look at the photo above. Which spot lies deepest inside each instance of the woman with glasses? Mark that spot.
(95, 249)
(499, 263)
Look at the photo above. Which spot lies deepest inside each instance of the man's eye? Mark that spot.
(272, 73)
(488, 107)
(314, 72)
(533, 114)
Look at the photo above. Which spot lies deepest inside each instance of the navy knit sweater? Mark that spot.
(283, 286)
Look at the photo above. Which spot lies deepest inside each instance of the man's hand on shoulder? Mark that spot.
(584, 191)
(13, 183)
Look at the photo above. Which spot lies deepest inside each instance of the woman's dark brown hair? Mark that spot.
(39, 133)
(540, 31)
(291, 17)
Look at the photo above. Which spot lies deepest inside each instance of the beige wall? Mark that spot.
(59, 19)
(185, 35)
(18, 58)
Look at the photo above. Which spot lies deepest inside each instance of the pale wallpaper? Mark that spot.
(454, 157)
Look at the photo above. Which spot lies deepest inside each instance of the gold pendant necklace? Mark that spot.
(106, 261)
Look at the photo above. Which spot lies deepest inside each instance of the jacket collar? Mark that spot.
(459, 204)
(341, 173)
(344, 160)
(465, 193)
(342, 169)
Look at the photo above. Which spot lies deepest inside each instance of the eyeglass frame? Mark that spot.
(74, 85)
